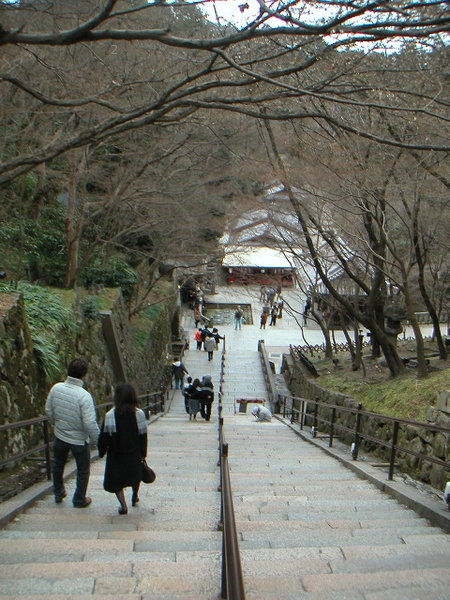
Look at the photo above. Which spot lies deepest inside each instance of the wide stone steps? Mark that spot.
(168, 547)
(311, 529)
(308, 527)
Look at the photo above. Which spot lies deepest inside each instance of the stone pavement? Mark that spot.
(309, 527)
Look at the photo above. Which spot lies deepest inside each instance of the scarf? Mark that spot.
(110, 422)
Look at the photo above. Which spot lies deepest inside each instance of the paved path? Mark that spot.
(309, 527)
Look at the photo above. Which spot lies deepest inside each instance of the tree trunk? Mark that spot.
(421, 258)
(420, 349)
(72, 241)
(326, 334)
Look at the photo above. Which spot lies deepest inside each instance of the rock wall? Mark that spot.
(23, 385)
(427, 442)
(22, 382)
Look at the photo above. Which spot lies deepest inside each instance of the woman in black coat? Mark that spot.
(123, 438)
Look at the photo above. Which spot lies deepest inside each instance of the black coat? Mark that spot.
(124, 451)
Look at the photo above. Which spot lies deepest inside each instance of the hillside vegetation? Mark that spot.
(404, 396)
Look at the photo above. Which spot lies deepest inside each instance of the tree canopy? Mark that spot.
(104, 67)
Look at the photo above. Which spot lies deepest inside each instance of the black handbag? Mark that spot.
(148, 474)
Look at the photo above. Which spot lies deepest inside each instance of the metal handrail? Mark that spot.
(300, 412)
(149, 408)
(232, 587)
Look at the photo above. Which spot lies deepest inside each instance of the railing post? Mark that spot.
(355, 448)
(48, 459)
(314, 427)
(302, 413)
(333, 419)
(392, 454)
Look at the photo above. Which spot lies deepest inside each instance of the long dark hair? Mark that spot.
(125, 399)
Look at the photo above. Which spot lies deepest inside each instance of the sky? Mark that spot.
(238, 12)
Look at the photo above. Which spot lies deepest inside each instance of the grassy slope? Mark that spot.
(405, 396)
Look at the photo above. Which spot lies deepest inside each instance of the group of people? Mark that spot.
(208, 339)
(198, 393)
(122, 437)
(198, 397)
(275, 311)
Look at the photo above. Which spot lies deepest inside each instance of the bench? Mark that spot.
(243, 402)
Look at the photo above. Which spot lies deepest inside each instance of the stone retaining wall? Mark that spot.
(435, 444)
(23, 385)
(22, 382)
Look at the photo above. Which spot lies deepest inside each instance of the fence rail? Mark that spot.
(326, 417)
(312, 349)
(154, 403)
(232, 587)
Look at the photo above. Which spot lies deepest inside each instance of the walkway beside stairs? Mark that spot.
(309, 527)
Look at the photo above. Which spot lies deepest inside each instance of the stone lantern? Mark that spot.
(394, 314)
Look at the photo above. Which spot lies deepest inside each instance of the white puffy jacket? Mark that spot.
(71, 409)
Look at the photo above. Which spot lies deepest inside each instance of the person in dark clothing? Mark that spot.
(273, 315)
(186, 393)
(123, 438)
(216, 335)
(205, 394)
(205, 332)
(306, 311)
(194, 403)
(280, 306)
(178, 371)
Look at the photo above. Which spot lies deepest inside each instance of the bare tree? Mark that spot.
(280, 66)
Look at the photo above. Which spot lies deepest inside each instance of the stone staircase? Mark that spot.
(168, 547)
(309, 528)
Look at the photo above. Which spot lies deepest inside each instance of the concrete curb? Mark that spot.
(18, 504)
(423, 504)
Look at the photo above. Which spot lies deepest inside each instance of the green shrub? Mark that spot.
(91, 307)
(115, 272)
(36, 249)
(50, 324)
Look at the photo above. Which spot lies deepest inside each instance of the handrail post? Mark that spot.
(393, 448)
(333, 419)
(355, 444)
(48, 459)
(314, 427)
(302, 413)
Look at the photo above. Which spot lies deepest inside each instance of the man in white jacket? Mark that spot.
(71, 409)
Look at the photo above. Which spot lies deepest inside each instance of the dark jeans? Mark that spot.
(82, 457)
(205, 409)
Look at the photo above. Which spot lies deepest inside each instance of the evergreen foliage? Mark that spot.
(35, 248)
(115, 272)
(49, 321)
